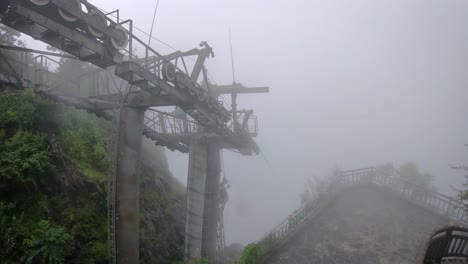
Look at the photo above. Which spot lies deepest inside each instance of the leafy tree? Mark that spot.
(48, 243)
(410, 173)
(19, 111)
(386, 170)
(233, 252)
(315, 186)
(68, 73)
(9, 36)
(462, 193)
(24, 161)
(84, 137)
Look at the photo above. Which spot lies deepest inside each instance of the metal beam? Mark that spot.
(8, 75)
(102, 109)
(238, 88)
(205, 116)
(202, 56)
(145, 99)
(53, 33)
(5, 47)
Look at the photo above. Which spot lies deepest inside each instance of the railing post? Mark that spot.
(162, 123)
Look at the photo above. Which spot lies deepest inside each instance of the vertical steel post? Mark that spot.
(234, 111)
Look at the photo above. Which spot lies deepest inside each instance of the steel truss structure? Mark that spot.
(125, 87)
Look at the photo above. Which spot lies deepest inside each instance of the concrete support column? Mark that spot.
(128, 186)
(211, 211)
(92, 85)
(195, 201)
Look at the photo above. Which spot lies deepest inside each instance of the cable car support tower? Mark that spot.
(200, 126)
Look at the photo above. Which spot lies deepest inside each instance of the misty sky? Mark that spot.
(354, 83)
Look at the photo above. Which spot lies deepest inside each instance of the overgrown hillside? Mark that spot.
(53, 179)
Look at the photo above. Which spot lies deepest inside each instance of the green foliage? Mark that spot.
(194, 261)
(38, 223)
(386, 169)
(19, 111)
(9, 36)
(26, 166)
(48, 243)
(84, 138)
(24, 161)
(233, 252)
(70, 77)
(253, 253)
(45, 220)
(162, 206)
(462, 193)
(42, 220)
(250, 255)
(13, 232)
(410, 172)
(87, 223)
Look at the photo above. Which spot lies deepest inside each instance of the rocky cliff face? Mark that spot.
(162, 209)
(364, 225)
(53, 180)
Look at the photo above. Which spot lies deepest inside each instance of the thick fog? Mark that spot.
(354, 83)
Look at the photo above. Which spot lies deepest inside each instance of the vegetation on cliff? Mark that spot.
(53, 180)
(42, 219)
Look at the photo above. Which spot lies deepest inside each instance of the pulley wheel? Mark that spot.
(168, 71)
(40, 2)
(180, 80)
(96, 17)
(201, 94)
(210, 103)
(120, 39)
(192, 87)
(76, 4)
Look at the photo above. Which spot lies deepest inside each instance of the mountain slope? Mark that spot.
(364, 225)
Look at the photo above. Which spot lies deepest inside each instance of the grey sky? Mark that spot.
(353, 83)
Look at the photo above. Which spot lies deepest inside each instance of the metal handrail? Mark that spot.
(447, 244)
(434, 201)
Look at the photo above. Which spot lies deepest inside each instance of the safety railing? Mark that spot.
(358, 176)
(13, 69)
(445, 245)
(434, 201)
(178, 123)
(245, 123)
(104, 39)
(166, 123)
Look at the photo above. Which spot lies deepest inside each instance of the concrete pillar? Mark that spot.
(93, 87)
(211, 211)
(195, 201)
(128, 186)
